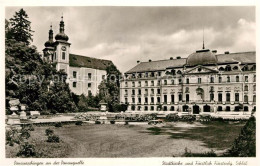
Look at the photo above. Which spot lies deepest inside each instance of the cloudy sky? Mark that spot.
(127, 34)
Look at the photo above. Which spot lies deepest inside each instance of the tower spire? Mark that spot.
(203, 47)
(51, 33)
(62, 25)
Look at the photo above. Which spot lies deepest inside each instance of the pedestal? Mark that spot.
(23, 115)
(13, 119)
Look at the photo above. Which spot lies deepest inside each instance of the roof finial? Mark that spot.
(51, 26)
(203, 47)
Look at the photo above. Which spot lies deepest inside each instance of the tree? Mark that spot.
(20, 27)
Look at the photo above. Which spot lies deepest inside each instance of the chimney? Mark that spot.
(214, 51)
(226, 52)
(178, 57)
(171, 58)
(138, 61)
(150, 60)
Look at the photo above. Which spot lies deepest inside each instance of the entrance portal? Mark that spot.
(206, 108)
(196, 109)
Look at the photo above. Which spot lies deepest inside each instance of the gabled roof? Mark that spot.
(157, 65)
(88, 62)
(243, 57)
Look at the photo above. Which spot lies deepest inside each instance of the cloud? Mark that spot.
(127, 34)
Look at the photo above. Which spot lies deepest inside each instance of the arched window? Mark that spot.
(165, 82)
(245, 99)
(63, 55)
(221, 69)
(237, 78)
(253, 68)
(219, 108)
(187, 81)
(245, 68)
(172, 82)
(165, 108)
(246, 87)
(146, 108)
(178, 72)
(172, 108)
(152, 108)
(187, 90)
(228, 78)
(211, 79)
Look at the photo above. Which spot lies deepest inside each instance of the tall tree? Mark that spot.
(21, 27)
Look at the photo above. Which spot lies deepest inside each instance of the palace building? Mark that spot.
(84, 73)
(204, 82)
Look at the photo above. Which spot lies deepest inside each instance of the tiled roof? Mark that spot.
(88, 62)
(243, 57)
(157, 65)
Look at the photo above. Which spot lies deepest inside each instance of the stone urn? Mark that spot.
(23, 113)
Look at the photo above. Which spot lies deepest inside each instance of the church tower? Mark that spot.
(62, 49)
(48, 51)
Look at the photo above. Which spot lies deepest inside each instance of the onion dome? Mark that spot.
(50, 42)
(62, 35)
(201, 57)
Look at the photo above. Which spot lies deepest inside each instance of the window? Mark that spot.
(158, 91)
(139, 92)
(152, 108)
(165, 108)
(254, 78)
(237, 78)
(211, 79)
(187, 90)
(212, 89)
(220, 97)
(221, 69)
(133, 84)
(165, 82)
(133, 100)
(219, 108)
(139, 84)
(139, 108)
(74, 74)
(254, 98)
(228, 97)
(133, 92)
(246, 108)
(152, 74)
(126, 84)
(187, 97)
(55, 55)
(180, 97)
(139, 100)
(152, 100)
(172, 81)
(211, 97)
(227, 108)
(146, 92)
(246, 88)
(146, 74)
(158, 99)
(165, 98)
(89, 85)
(187, 81)
(180, 81)
(146, 83)
(219, 79)
(228, 79)
(152, 91)
(158, 82)
(228, 68)
(63, 55)
(199, 80)
(246, 99)
(254, 87)
(178, 72)
(235, 68)
(246, 78)
(132, 107)
(172, 108)
(89, 76)
(126, 100)
(126, 92)
(159, 73)
(172, 98)
(152, 83)
(146, 100)
(236, 96)
(74, 84)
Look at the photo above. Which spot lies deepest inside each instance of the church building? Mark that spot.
(84, 73)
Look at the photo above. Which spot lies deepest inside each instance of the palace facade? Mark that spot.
(204, 82)
(84, 73)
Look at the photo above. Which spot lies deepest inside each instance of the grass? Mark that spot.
(90, 140)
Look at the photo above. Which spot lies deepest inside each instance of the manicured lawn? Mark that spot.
(90, 140)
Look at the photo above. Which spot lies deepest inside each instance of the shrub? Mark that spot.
(27, 150)
(25, 133)
(12, 136)
(78, 123)
(58, 124)
(53, 138)
(245, 144)
(30, 127)
(49, 132)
